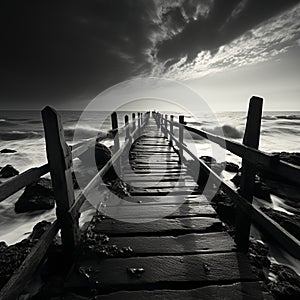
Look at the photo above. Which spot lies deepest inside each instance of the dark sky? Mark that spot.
(65, 52)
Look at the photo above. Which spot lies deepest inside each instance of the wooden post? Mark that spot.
(171, 129)
(60, 162)
(180, 138)
(127, 130)
(139, 123)
(133, 123)
(251, 139)
(115, 126)
(166, 125)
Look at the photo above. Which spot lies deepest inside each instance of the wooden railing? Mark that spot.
(252, 161)
(60, 158)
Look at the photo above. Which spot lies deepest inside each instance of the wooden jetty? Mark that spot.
(170, 243)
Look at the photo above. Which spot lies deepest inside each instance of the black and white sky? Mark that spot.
(64, 53)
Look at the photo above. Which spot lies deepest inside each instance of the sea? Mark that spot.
(23, 131)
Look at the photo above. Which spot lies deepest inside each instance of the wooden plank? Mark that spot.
(13, 185)
(192, 243)
(123, 212)
(165, 200)
(235, 291)
(161, 184)
(139, 162)
(163, 226)
(156, 172)
(152, 178)
(25, 272)
(157, 167)
(163, 191)
(163, 272)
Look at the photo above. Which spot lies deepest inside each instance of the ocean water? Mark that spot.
(23, 132)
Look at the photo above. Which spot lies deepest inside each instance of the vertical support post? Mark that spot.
(133, 123)
(127, 130)
(166, 125)
(251, 139)
(171, 130)
(180, 138)
(139, 123)
(60, 161)
(115, 126)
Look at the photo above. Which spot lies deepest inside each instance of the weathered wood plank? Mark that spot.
(163, 226)
(235, 291)
(154, 211)
(165, 200)
(162, 184)
(152, 178)
(183, 244)
(163, 272)
(163, 191)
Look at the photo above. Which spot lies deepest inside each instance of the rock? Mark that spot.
(3, 246)
(290, 157)
(261, 190)
(290, 222)
(258, 256)
(208, 159)
(8, 151)
(287, 284)
(100, 154)
(236, 179)
(39, 229)
(8, 171)
(231, 167)
(11, 258)
(36, 196)
(225, 207)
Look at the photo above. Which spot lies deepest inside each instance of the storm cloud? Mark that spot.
(59, 51)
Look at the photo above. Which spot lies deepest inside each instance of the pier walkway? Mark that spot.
(184, 255)
(163, 239)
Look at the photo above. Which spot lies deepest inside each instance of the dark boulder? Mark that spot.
(289, 222)
(225, 207)
(39, 229)
(258, 255)
(8, 151)
(3, 246)
(99, 154)
(261, 190)
(208, 159)
(287, 284)
(290, 157)
(8, 171)
(231, 167)
(36, 196)
(11, 258)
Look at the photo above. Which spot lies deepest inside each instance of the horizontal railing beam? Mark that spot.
(261, 160)
(13, 185)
